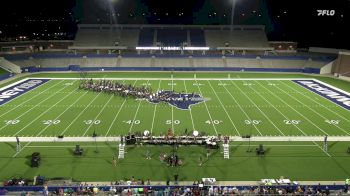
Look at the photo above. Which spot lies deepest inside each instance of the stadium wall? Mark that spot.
(327, 69)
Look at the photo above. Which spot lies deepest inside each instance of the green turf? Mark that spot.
(234, 107)
(301, 161)
(60, 108)
(2, 71)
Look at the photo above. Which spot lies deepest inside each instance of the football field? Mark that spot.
(286, 113)
(234, 107)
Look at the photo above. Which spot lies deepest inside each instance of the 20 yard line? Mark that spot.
(205, 104)
(189, 108)
(31, 98)
(222, 105)
(155, 109)
(294, 109)
(311, 110)
(45, 111)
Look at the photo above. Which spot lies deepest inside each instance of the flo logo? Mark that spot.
(325, 12)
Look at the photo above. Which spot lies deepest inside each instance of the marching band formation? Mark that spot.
(128, 90)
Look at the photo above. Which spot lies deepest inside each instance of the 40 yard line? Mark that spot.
(137, 111)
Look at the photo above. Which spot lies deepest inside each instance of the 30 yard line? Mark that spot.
(80, 113)
(31, 98)
(189, 108)
(45, 111)
(256, 128)
(222, 105)
(312, 110)
(155, 109)
(98, 115)
(256, 106)
(205, 104)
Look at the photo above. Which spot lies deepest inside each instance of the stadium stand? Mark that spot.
(146, 37)
(171, 37)
(197, 37)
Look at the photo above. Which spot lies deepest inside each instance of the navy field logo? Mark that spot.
(9, 93)
(179, 100)
(340, 98)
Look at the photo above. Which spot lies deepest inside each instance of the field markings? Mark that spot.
(256, 128)
(137, 111)
(155, 109)
(80, 113)
(206, 106)
(322, 149)
(293, 108)
(172, 108)
(189, 108)
(45, 111)
(67, 108)
(257, 106)
(20, 150)
(116, 116)
(336, 105)
(92, 124)
(222, 105)
(30, 98)
(312, 110)
(32, 108)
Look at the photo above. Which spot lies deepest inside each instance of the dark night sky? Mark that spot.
(289, 20)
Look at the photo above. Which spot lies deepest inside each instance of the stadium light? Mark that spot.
(171, 48)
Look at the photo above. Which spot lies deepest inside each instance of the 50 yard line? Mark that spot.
(189, 108)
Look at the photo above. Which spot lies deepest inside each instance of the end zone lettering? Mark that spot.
(329, 93)
(12, 92)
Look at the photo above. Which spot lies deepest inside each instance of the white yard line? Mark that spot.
(137, 111)
(189, 108)
(312, 110)
(211, 119)
(172, 108)
(322, 149)
(116, 116)
(176, 79)
(295, 110)
(240, 107)
(257, 106)
(21, 149)
(223, 107)
(80, 114)
(67, 108)
(93, 122)
(29, 98)
(155, 109)
(44, 112)
(318, 102)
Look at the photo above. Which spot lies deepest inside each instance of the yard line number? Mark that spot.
(169, 122)
(51, 122)
(333, 122)
(215, 122)
(292, 122)
(135, 122)
(89, 122)
(252, 122)
(11, 122)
